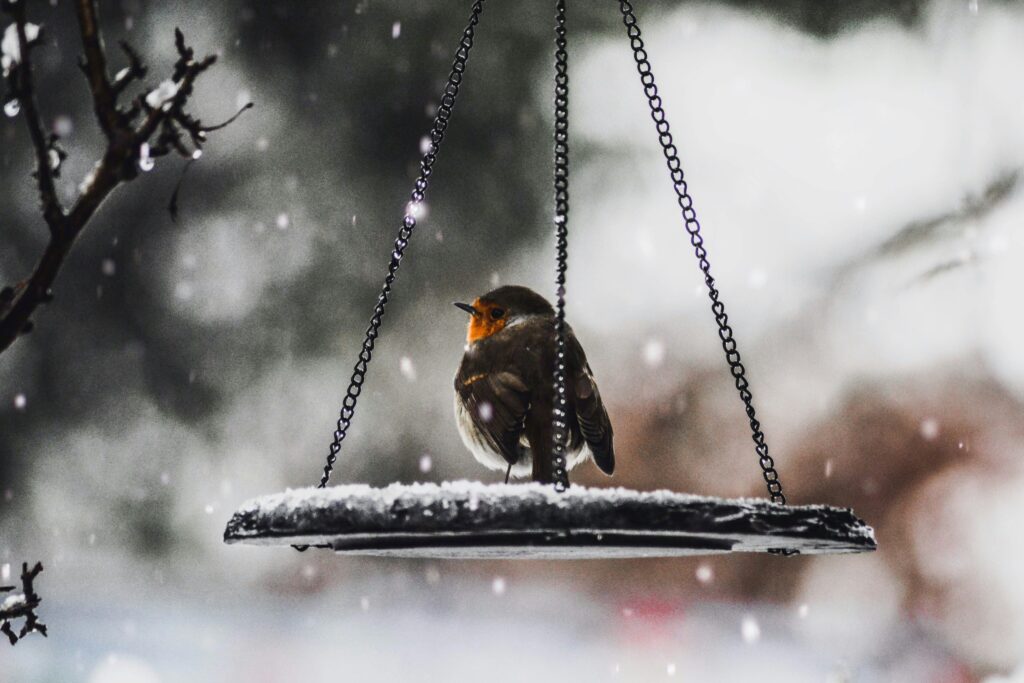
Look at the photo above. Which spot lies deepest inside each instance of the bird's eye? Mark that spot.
(497, 313)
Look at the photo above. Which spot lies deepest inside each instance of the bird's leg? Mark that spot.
(508, 472)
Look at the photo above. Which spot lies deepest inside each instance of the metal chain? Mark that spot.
(437, 131)
(732, 355)
(560, 427)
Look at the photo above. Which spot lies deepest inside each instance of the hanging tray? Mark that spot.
(464, 519)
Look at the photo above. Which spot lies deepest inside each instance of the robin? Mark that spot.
(504, 389)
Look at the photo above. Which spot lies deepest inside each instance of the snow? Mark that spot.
(750, 630)
(164, 93)
(654, 352)
(10, 48)
(146, 162)
(406, 367)
(12, 601)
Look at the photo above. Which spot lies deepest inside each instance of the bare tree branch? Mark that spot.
(23, 88)
(153, 125)
(94, 64)
(22, 606)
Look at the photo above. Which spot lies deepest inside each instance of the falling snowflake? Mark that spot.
(750, 630)
(243, 98)
(426, 463)
(930, 428)
(407, 369)
(498, 585)
(63, 126)
(417, 210)
(654, 353)
(20, 402)
(705, 574)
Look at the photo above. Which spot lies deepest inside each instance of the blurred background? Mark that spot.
(856, 167)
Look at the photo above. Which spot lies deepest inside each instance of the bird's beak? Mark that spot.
(467, 308)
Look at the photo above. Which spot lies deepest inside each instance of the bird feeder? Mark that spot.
(474, 520)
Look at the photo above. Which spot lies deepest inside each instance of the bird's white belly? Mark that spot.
(493, 460)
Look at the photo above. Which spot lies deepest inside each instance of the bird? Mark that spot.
(504, 389)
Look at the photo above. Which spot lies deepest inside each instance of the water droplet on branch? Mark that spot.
(146, 162)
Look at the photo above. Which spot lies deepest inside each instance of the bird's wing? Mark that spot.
(595, 426)
(497, 404)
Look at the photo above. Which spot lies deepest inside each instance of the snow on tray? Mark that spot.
(507, 494)
(335, 515)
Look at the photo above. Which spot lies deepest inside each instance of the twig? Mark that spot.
(94, 64)
(22, 87)
(23, 608)
(151, 126)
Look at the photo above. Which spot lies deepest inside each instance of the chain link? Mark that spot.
(725, 333)
(437, 131)
(560, 427)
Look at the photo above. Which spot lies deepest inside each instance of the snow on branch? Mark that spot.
(153, 124)
(22, 606)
